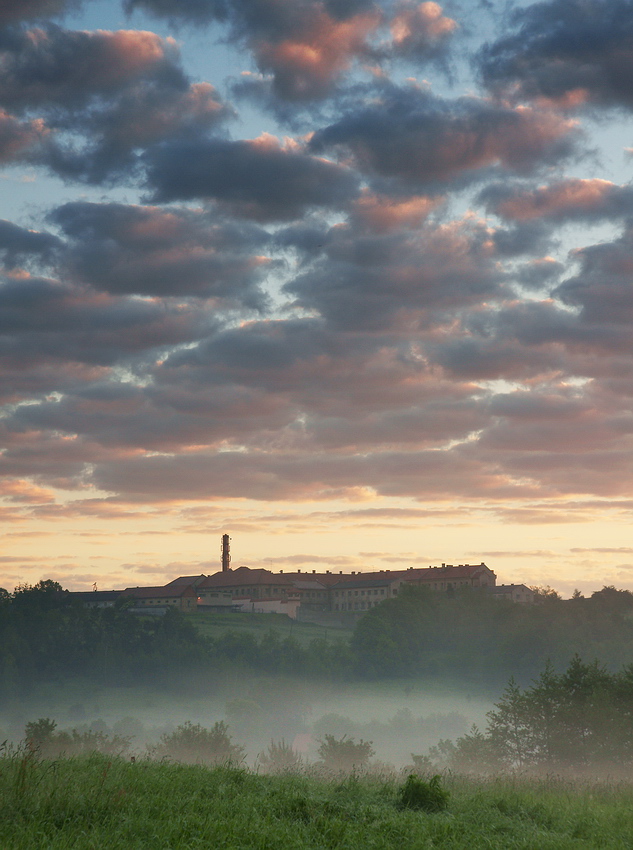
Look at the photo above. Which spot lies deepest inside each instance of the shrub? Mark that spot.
(427, 796)
(41, 738)
(193, 744)
(280, 758)
(344, 754)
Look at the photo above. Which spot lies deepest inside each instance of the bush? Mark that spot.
(427, 796)
(344, 754)
(193, 744)
(41, 738)
(280, 758)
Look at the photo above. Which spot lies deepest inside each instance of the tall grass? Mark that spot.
(103, 802)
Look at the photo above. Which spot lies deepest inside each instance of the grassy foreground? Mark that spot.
(97, 802)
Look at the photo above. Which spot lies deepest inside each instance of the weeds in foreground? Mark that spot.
(426, 796)
(94, 801)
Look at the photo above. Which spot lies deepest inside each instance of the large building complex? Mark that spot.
(303, 593)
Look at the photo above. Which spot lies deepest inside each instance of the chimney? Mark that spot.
(226, 555)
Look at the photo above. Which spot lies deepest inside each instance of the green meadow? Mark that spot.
(259, 625)
(94, 802)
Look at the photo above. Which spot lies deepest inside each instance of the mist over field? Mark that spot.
(459, 681)
(399, 718)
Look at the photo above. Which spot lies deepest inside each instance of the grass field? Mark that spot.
(214, 625)
(97, 802)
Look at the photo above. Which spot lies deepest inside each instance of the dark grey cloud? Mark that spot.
(287, 476)
(472, 357)
(18, 139)
(52, 66)
(540, 273)
(164, 251)
(602, 290)
(261, 15)
(532, 237)
(114, 93)
(411, 135)
(19, 245)
(13, 11)
(255, 178)
(401, 279)
(44, 318)
(122, 415)
(572, 51)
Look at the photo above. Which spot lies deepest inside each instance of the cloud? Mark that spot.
(570, 52)
(420, 30)
(25, 491)
(162, 251)
(602, 291)
(114, 92)
(572, 199)
(305, 44)
(51, 65)
(19, 138)
(43, 319)
(303, 477)
(19, 244)
(382, 214)
(306, 65)
(402, 279)
(305, 47)
(254, 178)
(13, 11)
(413, 136)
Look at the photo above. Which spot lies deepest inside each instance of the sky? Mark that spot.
(349, 280)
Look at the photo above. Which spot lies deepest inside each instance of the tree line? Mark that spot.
(477, 637)
(46, 634)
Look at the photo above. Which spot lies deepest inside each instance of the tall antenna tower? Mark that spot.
(226, 553)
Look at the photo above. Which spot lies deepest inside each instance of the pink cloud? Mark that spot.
(16, 137)
(20, 490)
(565, 197)
(420, 25)
(381, 214)
(307, 63)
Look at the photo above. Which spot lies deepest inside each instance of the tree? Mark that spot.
(510, 732)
